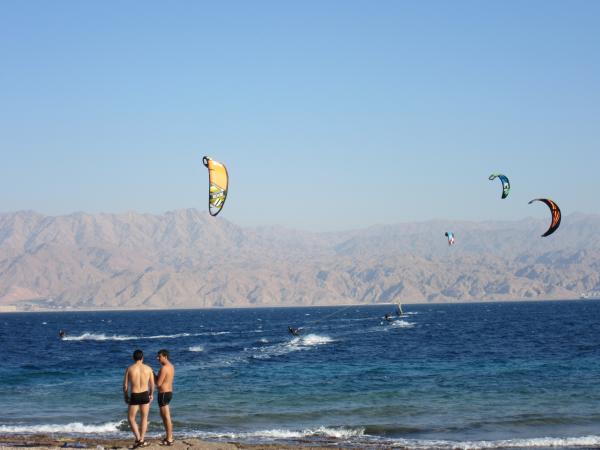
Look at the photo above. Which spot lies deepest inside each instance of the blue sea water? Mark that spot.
(485, 375)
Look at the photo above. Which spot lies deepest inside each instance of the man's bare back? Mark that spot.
(139, 376)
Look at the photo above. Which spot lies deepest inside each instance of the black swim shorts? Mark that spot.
(139, 398)
(164, 398)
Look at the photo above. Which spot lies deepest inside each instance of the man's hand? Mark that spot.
(126, 397)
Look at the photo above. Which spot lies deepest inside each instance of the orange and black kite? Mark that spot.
(555, 210)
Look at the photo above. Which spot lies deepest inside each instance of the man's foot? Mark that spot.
(167, 442)
(143, 444)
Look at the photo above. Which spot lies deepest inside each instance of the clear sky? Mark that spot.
(328, 114)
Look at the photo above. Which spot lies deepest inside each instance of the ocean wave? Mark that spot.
(196, 348)
(313, 339)
(87, 336)
(283, 348)
(91, 336)
(543, 442)
(356, 435)
(402, 324)
(75, 427)
(283, 434)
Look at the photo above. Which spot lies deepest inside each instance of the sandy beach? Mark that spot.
(47, 442)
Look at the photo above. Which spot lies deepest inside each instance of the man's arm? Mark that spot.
(151, 382)
(160, 379)
(126, 386)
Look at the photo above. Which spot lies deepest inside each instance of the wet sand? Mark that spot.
(52, 442)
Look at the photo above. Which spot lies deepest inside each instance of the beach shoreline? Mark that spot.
(56, 441)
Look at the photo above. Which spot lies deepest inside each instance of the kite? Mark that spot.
(505, 183)
(450, 236)
(218, 184)
(555, 210)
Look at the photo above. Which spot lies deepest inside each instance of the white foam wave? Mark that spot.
(283, 348)
(44, 323)
(263, 340)
(196, 348)
(75, 427)
(402, 324)
(544, 442)
(277, 434)
(398, 324)
(314, 339)
(340, 433)
(115, 337)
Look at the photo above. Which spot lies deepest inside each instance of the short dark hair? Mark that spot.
(138, 355)
(163, 352)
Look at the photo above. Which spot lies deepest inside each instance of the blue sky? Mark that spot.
(328, 114)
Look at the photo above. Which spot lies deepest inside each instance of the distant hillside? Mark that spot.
(186, 258)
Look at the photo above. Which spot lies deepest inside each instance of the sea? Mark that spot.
(513, 375)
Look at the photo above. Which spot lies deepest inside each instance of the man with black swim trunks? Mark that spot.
(164, 381)
(141, 379)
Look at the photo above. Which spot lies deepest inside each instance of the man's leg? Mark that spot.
(144, 410)
(132, 412)
(165, 414)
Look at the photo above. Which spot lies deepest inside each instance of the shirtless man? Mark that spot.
(164, 381)
(141, 378)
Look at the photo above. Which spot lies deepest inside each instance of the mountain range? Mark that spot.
(187, 259)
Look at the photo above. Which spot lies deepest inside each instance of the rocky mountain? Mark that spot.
(186, 258)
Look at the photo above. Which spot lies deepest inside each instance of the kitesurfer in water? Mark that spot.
(388, 317)
(294, 331)
(62, 334)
